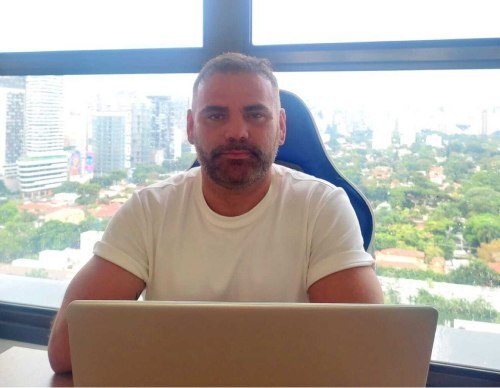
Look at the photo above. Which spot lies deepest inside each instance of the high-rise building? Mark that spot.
(168, 125)
(111, 141)
(11, 132)
(142, 151)
(44, 164)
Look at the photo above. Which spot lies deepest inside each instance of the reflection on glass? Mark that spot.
(423, 146)
(334, 21)
(59, 25)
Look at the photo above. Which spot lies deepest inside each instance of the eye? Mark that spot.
(256, 116)
(216, 116)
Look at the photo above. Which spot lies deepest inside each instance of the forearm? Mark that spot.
(98, 279)
(58, 349)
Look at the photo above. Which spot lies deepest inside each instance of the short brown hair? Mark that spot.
(236, 63)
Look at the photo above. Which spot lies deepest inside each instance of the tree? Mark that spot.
(456, 308)
(482, 228)
(89, 193)
(458, 167)
(15, 240)
(376, 193)
(485, 178)
(333, 143)
(92, 223)
(489, 252)
(401, 236)
(4, 191)
(477, 273)
(8, 212)
(56, 235)
(480, 199)
(68, 187)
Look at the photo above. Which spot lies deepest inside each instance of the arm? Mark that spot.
(98, 279)
(354, 285)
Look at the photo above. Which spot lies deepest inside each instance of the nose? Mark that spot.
(237, 129)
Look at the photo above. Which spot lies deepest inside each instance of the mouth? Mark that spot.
(237, 154)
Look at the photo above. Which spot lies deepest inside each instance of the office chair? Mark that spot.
(304, 151)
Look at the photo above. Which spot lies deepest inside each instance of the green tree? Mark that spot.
(482, 228)
(8, 212)
(482, 199)
(458, 167)
(477, 273)
(376, 193)
(68, 187)
(15, 240)
(456, 308)
(89, 193)
(56, 235)
(92, 223)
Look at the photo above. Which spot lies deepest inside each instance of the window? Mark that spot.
(342, 21)
(427, 159)
(59, 25)
(378, 104)
(89, 141)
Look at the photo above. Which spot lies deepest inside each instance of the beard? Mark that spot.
(236, 174)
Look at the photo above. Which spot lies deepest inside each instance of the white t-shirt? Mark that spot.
(302, 230)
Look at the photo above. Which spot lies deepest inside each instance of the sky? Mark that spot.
(40, 25)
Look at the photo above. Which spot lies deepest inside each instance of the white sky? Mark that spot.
(323, 21)
(48, 25)
(40, 25)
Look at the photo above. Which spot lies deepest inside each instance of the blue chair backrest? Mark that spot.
(304, 150)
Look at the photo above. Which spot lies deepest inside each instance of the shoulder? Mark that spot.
(292, 181)
(177, 186)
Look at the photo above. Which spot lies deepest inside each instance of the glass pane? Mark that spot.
(334, 21)
(72, 150)
(424, 147)
(58, 25)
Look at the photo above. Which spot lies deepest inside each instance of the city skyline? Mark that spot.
(380, 101)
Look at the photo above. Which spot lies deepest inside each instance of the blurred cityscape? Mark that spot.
(72, 152)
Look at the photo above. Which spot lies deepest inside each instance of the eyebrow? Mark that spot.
(222, 109)
(256, 108)
(214, 109)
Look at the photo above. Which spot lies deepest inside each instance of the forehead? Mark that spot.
(234, 88)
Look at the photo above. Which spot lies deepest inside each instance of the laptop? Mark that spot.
(130, 343)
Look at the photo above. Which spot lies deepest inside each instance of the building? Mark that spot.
(168, 122)
(11, 132)
(111, 141)
(141, 148)
(400, 258)
(43, 165)
(436, 175)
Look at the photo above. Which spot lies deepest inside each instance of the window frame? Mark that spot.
(227, 27)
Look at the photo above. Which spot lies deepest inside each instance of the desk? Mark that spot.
(29, 367)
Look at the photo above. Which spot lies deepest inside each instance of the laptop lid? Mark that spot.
(128, 343)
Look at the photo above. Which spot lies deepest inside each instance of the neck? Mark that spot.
(234, 202)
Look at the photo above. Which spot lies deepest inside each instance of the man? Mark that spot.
(239, 228)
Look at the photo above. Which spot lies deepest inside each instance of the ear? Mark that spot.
(282, 122)
(190, 126)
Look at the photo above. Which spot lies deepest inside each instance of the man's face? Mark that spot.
(236, 127)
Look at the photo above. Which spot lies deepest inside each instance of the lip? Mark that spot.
(237, 154)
